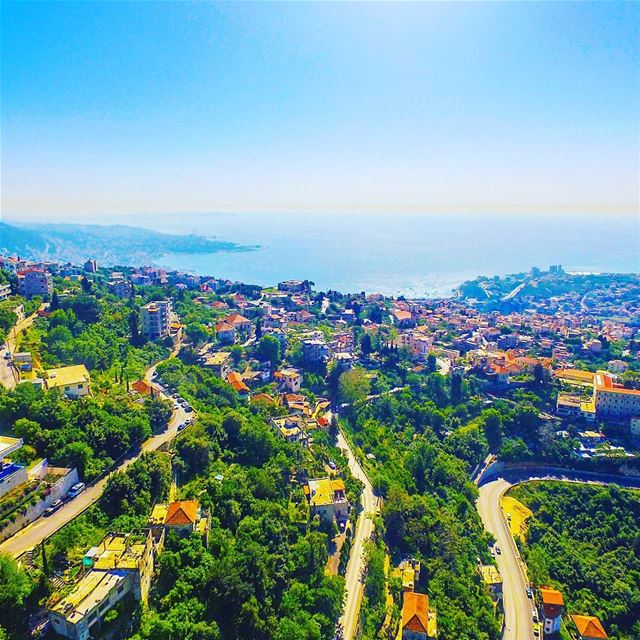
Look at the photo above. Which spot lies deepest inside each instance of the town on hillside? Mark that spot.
(186, 456)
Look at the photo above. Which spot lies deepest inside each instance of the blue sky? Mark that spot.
(117, 107)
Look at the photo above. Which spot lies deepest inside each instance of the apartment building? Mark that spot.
(315, 350)
(121, 288)
(5, 291)
(35, 282)
(117, 566)
(156, 319)
(613, 400)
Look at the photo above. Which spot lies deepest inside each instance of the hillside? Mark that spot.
(111, 244)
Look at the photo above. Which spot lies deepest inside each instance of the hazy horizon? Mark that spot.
(112, 109)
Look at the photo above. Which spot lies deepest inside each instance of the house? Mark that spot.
(409, 572)
(327, 498)
(5, 291)
(418, 622)
(238, 322)
(576, 376)
(589, 627)
(263, 398)
(291, 429)
(290, 379)
(236, 381)
(492, 578)
(23, 360)
(403, 319)
(552, 609)
(572, 406)
(73, 382)
(184, 517)
(225, 333)
(141, 387)
(219, 362)
(119, 565)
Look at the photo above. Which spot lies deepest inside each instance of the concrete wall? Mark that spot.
(58, 491)
(12, 481)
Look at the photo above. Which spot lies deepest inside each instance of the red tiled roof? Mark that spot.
(236, 382)
(551, 596)
(589, 627)
(141, 387)
(415, 612)
(182, 512)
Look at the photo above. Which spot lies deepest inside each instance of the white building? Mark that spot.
(156, 319)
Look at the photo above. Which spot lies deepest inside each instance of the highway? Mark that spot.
(517, 606)
(364, 528)
(44, 527)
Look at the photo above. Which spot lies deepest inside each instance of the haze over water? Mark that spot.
(414, 255)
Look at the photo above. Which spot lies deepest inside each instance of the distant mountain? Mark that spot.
(114, 244)
(21, 241)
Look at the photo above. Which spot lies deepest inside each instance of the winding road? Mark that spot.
(492, 486)
(9, 376)
(44, 527)
(354, 586)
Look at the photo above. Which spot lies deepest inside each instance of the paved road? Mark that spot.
(44, 527)
(364, 528)
(517, 606)
(8, 374)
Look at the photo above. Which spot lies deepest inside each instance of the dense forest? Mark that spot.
(585, 540)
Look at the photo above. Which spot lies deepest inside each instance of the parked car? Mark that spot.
(529, 592)
(182, 426)
(77, 489)
(189, 409)
(498, 550)
(53, 507)
(332, 465)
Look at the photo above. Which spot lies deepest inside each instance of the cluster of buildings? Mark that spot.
(551, 608)
(597, 395)
(121, 565)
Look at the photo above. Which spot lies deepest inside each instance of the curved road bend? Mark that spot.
(364, 528)
(42, 528)
(517, 606)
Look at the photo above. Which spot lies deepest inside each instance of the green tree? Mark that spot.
(159, 412)
(269, 350)
(354, 386)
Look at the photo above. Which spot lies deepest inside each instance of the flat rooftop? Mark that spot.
(9, 445)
